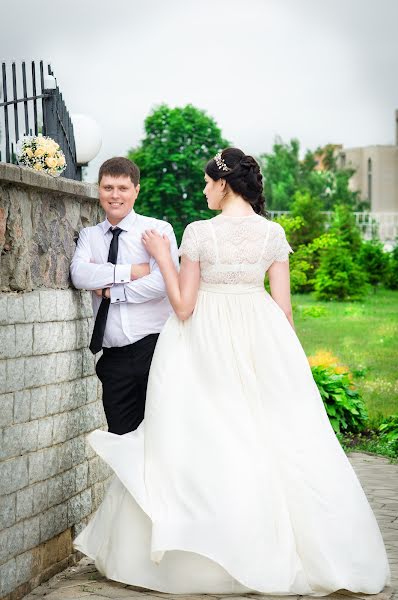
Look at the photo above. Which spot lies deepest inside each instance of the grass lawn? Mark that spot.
(363, 335)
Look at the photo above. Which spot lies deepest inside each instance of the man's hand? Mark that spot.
(140, 270)
(99, 292)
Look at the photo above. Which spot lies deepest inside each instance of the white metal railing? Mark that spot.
(383, 225)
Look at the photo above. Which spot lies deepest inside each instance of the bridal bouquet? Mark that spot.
(42, 154)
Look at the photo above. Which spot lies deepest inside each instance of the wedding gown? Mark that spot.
(235, 481)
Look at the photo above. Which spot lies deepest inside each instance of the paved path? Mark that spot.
(379, 479)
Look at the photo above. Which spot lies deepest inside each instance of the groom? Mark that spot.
(129, 296)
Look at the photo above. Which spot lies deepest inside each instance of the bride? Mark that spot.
(235, 481)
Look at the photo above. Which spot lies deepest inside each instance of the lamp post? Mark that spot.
(88, 139)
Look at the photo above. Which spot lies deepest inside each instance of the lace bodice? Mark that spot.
(235, 249)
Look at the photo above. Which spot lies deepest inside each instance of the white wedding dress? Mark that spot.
(235, 481)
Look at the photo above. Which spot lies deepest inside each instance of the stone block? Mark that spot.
(55, 490)
(74, 510)
(53, 521)
(85, 503)
(73, 394)
(78, 448)
(63, 366)
(8, 577)
(94, 470)
(23, 339)
(36, 466)
(48, 305)
(21, 406)
(54, 399)
(68, 336)
(15, 308)
(88, 362)
(81, 476)
(3, 375)
(60, 428)
(13, 475)
(3, 309)
(97, 494)
(45, 433)
(7, 341)
(65, 456)
(92, 388)
(31, 532)
(24, 503)
(74, 423)
(68, 305)
(38, 402)
(40, 370)
(6, 406)
(48, 337)
(29, 435)
(31, 301)
(50, 462)
(15, 374)
(24, 565)
(86, 307)
(82, 340)
(40, 497)
(7, 510)
(76, 365)
(69, 483)
(11, 542)
(10, 445)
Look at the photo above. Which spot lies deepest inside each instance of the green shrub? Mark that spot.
(389, 428)
(344, 228)
(305, 262)
(392, 276)
(374, 262)
(344, 406)
(338, 276)
(309, 208)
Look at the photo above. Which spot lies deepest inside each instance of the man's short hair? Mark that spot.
(119, 166)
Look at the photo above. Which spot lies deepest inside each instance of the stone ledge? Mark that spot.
(23, 176)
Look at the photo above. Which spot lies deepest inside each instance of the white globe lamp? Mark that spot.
(88, 138)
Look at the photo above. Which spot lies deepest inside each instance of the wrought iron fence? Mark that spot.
(31, 103)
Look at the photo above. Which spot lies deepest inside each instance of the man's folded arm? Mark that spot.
(151, 286)
(86, 275)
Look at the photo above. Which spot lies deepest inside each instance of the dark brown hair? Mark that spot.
(244, 177)
(119, 166)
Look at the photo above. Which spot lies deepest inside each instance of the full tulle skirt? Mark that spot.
(235, 481)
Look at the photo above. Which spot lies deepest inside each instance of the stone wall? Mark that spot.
(50, 479)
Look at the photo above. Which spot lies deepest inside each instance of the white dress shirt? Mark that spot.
(138, 307)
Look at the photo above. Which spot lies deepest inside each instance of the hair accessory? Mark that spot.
(220, 162)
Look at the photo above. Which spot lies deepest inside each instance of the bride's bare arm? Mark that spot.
(182, 288)
(279, 281)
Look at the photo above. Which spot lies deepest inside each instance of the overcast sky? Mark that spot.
(319, 71)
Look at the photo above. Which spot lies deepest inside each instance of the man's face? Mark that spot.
(117, 196)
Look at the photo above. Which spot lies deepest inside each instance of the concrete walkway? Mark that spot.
(379, 479)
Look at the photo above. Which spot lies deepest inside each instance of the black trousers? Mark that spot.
(123, 373)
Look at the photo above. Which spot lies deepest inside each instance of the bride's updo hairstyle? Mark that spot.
(242, 174)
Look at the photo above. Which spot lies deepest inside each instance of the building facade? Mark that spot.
(376, 173)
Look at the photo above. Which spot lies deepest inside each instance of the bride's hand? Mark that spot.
(156, 245)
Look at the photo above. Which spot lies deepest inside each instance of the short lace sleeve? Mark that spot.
(189, 244)
(282, 247)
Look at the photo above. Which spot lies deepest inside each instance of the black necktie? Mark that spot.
(102, 314)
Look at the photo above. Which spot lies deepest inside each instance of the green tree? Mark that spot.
(309, 208)
(177, 144)
(374, 262)
(344, 228)
(339, 277)
(286, 174)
